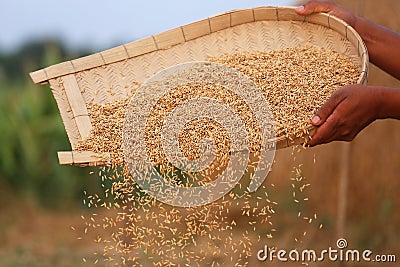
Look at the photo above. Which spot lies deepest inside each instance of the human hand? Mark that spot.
(327, 7)
(349, 110)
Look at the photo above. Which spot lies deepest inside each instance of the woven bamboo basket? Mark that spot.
(112, 74)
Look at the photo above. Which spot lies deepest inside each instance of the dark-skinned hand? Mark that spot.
(349, 110)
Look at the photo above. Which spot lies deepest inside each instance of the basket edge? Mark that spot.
(184, 33)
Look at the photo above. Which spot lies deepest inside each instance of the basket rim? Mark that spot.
(182, 34)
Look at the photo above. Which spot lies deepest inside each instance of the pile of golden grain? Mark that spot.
(294, 81)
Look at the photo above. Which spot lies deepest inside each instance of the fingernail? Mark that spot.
(316, 120)
(300, 8)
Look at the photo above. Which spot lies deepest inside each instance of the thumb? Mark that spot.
(314, 7)
(326, 110)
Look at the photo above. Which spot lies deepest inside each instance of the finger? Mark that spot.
(314, 7)
(321, 136)
(327, 132)
(327, 109)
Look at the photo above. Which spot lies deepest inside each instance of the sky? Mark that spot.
(103, 24)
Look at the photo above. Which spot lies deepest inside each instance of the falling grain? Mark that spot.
(295, 82)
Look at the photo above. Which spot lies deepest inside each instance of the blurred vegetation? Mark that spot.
(32, 131)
